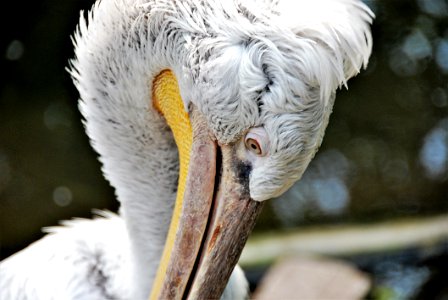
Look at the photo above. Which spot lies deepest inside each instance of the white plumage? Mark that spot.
(83, 259)
(244, 64)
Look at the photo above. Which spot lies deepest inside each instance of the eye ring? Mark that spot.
(256, 141)
(253, 146)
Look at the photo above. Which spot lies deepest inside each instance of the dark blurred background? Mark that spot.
(384, 156)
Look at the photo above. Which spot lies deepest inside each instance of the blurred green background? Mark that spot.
(384, 156)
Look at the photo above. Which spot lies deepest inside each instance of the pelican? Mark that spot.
(199, 111)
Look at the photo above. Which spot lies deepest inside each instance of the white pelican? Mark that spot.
(200, 111)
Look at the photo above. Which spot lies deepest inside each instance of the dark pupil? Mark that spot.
(253, 146)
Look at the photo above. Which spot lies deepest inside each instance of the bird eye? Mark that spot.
(252, 145)
(256, 141)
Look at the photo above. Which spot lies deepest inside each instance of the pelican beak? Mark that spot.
(211, 226)
(230, 221)
(213, 214)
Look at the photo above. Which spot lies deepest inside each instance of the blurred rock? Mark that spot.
(313, 278)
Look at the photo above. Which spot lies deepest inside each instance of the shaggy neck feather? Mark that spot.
(135, 145)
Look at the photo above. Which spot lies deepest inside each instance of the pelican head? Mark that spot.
(246, 88)
(265, 78)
